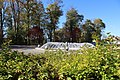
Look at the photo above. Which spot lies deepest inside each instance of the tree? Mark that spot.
(34, 10)
(87, 30)
(73, 20)
(24, 15)
(12, 20)
(36, 33)
(92, 30)
(2, 19)
(53, 12)
(99, 26)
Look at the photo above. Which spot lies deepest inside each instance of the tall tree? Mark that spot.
(2, 19)
(25, 14)
(73, 20)
(53, 12)
(92, 30)
(99, 26)
(34, 10)
(13, 21)
(87, 30)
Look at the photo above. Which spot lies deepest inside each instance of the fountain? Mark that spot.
(64, 46)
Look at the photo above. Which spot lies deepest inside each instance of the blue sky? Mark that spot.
(107, 10)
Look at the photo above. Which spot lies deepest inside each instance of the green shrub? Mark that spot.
(99, 63)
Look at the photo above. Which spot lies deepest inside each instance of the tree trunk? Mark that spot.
(71, 32)
(50, 35)
(28, 22)
(54, 34)
(18, 22)
(14, 17)
(1, 27)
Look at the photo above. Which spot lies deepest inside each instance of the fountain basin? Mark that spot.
(63, 46)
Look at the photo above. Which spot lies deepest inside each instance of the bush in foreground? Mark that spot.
(99, 63)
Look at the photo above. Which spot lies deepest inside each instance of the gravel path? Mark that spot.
(27, 51)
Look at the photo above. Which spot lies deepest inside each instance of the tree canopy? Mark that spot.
(19, 17)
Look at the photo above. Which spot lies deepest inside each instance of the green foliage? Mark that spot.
(29, 13)
(17, 66)
(53, 14)
(92, 30)
(19, 16)
(99, 63)
(73, 20)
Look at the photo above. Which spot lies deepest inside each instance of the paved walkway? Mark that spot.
(26, 49)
